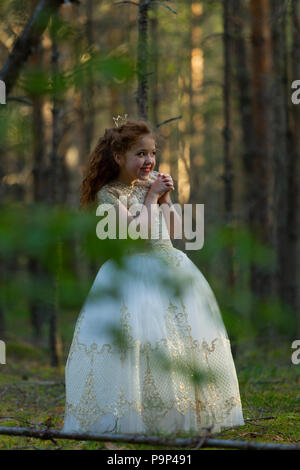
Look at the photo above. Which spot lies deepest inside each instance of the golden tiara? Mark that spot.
(120, 120)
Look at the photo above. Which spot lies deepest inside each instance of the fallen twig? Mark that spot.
(6, 418)
(50, 434)
(270, 381)
(260, 419)
(36, 382)
(203, 438)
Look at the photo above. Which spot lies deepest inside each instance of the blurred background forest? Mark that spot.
(214, 78)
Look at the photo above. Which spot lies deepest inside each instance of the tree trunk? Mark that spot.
(260, 167)
(293, 174)
(38, 180)
(228, 175)
(191, 131)
(142, 60)
(57, 192)
(89, 89)
(281, 153)
(153, 60)
(243, 80)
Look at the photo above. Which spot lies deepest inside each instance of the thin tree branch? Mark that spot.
(126, 1)
(168, 120)
(20, 99)
(150, 2)
(166, 6)
(211, 36)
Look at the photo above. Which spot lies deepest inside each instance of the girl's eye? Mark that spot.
(154, 153)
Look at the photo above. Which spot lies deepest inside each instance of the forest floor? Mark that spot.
(32, 393)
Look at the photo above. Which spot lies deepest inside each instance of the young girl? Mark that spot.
(150, 386)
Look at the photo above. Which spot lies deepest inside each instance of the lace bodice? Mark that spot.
(114, 191)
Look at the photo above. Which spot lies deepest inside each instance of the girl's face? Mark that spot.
(138, 161)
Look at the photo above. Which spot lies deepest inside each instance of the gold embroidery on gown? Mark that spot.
(147, 386)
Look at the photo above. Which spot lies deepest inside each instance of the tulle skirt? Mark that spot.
(150, 353)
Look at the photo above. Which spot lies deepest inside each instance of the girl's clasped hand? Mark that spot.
(162, 184)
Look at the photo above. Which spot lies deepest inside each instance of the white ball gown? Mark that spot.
(147, 387)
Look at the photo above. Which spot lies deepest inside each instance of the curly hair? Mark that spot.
(102, 166)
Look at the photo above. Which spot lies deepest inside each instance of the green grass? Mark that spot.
(32, 393)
